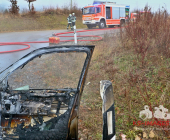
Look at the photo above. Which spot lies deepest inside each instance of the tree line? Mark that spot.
(14, 8)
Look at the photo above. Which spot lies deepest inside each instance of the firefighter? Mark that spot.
(69, 21)
(73, 19)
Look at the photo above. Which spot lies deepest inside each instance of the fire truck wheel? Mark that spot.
(101, 24)
(89, 26)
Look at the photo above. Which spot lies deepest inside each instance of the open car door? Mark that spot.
(31, 108)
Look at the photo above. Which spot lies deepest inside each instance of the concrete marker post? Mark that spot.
(75, 35)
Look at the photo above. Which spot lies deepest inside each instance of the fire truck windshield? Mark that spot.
(89, 10)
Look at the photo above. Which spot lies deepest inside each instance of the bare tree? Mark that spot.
(29, 2)
(14, 8)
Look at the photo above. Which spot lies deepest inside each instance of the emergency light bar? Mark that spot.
(102, 2)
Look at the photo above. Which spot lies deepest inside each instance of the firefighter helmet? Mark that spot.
(70, 15)
(73, 14)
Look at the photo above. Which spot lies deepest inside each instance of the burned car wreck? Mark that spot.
(23, 111)
(33, 109)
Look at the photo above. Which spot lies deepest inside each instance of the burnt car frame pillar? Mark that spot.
(108, 111)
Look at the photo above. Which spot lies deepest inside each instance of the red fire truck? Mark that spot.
(133, 16)
(105, 13)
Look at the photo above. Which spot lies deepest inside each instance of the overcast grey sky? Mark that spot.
(39, 4)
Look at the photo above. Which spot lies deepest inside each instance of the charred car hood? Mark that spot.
(37, 114)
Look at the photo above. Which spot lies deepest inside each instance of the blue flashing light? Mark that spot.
(96, 3)
(127, 6)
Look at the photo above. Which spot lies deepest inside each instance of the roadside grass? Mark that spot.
(49, 19)
(41, 22)
(137, 61)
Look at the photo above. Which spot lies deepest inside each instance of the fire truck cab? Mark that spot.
(104, 14)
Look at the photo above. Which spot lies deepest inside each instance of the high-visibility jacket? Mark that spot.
(73, 18)
(69, 19)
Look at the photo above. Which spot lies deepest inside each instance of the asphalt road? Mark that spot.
(6, 59)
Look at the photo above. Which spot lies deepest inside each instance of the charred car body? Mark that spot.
(44, 113)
